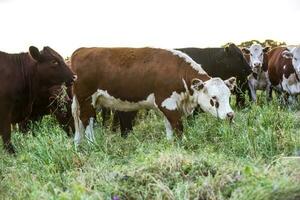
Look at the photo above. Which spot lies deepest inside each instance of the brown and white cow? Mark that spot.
(257, 57)
(129, 79)
(21, 76)
(284, 69)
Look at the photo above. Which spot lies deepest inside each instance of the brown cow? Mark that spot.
(284, 70)
(128, 79)
(54, 100)
(257, 58)
(21, 76)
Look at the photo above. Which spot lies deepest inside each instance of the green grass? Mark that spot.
(215, 160)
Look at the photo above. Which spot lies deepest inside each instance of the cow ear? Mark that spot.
(35, 53)
(266, 49)
(227, 50)
(245, 50)
(231, 83)
(287, 54)
(197, 84)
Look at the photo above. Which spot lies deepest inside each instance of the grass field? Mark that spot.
(247, 160)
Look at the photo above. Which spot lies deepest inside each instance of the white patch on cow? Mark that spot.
(171, 102)
(89, 131)
(102, 98)
(183, 102)
(189, 60)
(215, 90)
(169, 129)
(290, 84)
(79, 129)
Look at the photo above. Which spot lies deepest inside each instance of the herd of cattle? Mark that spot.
(172, 82)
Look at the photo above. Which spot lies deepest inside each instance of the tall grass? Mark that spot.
(215, 160)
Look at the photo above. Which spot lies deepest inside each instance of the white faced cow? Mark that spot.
(129, 79)
(256, 55)
(294, 54)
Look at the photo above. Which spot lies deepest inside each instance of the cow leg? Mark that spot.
(251, 84)
(88, 115)
(126, 122)
(105, 114)
(84, 115)
(5, 131)
(269, 92)
(172, 122)
(240, 94)
(24, 126)
(115, 121)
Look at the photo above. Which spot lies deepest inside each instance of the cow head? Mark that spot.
(256, 59)
(52, 70)
(293, 54)
(234, 59)
(213, 96)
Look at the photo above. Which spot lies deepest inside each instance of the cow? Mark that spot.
(284, 70)
(128, 79)
(21, 76)
(224, 63)
(257, 57)
(55, 100)
(217, 62)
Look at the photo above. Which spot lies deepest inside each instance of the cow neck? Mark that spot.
(28, 70)
(265, 63)
(254, 74)
(191, 74)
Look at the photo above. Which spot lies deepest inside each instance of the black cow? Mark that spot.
(224, 63)
(56, 101)
(21, 76)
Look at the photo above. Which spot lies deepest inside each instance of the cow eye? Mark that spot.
(54, 62)
(251, 54)
(212, 103)
(214, 97)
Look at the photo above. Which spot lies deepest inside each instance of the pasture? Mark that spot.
(214, 161)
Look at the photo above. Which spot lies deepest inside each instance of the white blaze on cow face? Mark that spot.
(296, 59)
(293, 54)
(213, 96)
(256, 52)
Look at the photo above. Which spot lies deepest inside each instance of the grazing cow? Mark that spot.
(21, 76)
(257, 57)
(128, 79)
(224, 63)
(284, 70)
(54, 100)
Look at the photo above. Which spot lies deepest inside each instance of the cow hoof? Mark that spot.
(124, 135)
(10, 149)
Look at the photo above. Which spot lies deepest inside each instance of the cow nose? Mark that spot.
(230, 116)
(257, 64)
(74, 77)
